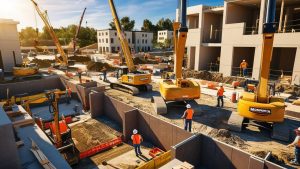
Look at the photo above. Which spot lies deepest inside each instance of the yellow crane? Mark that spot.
(45, 18)
(131, 81)
(179, 89)
(260, 106)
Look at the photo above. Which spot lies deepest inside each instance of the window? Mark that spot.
(111, 40)
(113, 49)
(145, 35)
(99, 40)
(142, 35)
(106, 33)
(161, 38)
(138, 41)
(116, 34)
(106, 40)
(146, 41)
(128, 40)
(107, 49)
(118, 48)
(143, 41)
(149, 48)
(102, 33)
(99, 34)
(103, 49)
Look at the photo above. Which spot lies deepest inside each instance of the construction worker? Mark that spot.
(244, 66)
(79, 72)
(296, 143)
(188, 116)
(136, 141)
(68, 94)
(220, 95)
(104, 71)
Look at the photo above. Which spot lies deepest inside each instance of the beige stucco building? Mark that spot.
(220, 38)
(10, 52)
(108, 41)
(163, 35)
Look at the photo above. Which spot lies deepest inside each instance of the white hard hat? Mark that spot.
(188, 106)
(298, 128)
(220, 84)
(135, 131)
(244, 60)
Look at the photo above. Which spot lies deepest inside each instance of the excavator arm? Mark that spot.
(46, 21)
(123, 41)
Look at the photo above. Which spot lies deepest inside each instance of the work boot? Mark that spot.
(295, 162)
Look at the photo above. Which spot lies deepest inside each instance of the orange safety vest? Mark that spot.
(244, 65)
(298, 144)
(189, 114)
(221, 91)
(136, 139)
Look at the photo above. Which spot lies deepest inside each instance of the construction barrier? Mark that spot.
(100, 148)
(158, 161)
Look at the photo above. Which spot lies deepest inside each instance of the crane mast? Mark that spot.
(123, 41)
(77, 32)
(46, 21)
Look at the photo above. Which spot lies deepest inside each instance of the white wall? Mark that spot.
(9, 42)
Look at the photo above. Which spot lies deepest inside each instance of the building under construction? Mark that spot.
(221, 37)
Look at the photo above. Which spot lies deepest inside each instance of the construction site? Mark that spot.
(226, 95)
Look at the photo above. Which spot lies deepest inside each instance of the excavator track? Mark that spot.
(125, 88)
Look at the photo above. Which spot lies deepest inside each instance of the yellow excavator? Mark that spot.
(260, 105)
(44, 16)
(179, 89)
(131, 80)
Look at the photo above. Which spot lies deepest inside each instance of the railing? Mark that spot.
(237, 71)
(213, 67)
(214, 37)
(291, 26)
(251, 31)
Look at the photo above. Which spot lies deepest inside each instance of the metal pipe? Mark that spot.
(281, 16)
(271, 9)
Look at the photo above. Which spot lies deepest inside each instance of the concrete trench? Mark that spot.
(199, 150)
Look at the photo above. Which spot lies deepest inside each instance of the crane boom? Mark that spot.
(46, 21)
(267, 50)
(77, 31)
(180, 41)
(123, 41)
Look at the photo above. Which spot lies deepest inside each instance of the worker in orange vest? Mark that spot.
(68, 94)
(220, 95)
(188, 116)
(244, 66)
(137, 140)
(296, 143)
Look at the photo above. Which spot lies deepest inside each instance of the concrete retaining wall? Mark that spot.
(31, 87)
(203, 151)
(198, 150)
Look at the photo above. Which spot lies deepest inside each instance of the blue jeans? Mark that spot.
(220, 98)
(188, 124)
(137, 149)
(245, 72)
(297, 154)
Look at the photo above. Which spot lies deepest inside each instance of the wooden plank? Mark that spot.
(14, 114)
(43, 160)
(23, 123)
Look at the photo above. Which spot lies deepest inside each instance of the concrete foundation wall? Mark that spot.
(31, 87)
(9, 155)
(203, 151)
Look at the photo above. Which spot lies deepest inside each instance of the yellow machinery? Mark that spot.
(131, 81)
(260, 106)
(179, 89)
(44, 16)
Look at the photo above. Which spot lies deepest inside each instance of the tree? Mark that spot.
(126, 24)
(148, 26)
(167, 43)
(164, 24)
(28, 36)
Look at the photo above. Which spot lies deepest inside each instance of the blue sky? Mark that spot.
(65, 12)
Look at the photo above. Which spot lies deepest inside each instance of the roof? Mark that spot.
(8, 21)
(125, 31)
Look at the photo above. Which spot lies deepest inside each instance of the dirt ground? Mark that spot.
(93, 132)
(212, 121)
